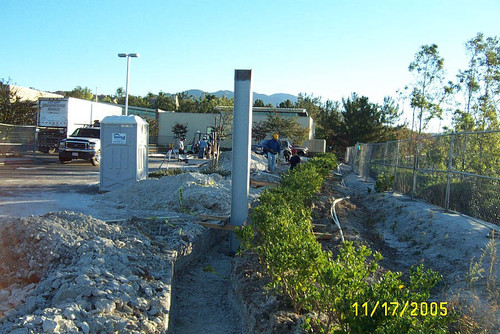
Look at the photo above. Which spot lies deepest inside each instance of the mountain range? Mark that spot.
(273, 99)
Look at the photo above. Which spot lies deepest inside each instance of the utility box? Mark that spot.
(124, 151)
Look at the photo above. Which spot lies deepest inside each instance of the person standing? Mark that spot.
(180, 144)
(203, 146)
(295, 159)
(273, 148)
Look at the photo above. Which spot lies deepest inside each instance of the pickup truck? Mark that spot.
(285, 146)
(83, 143)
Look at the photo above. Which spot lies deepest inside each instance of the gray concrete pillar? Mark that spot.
(242, 139)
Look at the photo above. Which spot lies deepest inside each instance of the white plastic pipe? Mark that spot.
(335, 219)
(242, 136)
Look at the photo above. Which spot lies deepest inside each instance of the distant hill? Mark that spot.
(274, 99)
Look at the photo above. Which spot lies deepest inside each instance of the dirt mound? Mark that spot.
(66, 272)
(257, 162)
(186, 192)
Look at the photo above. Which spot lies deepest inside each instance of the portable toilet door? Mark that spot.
(124, 151)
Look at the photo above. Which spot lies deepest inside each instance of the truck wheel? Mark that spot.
(63, 161)
(300, 153)
(96, 159)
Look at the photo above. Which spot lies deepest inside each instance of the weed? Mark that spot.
(181, 199)
(477, 316)
(213, 170)
(210, 269)
(167, 172)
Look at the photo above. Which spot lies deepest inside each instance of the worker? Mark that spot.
(273, 148)
(295, 159)
(203, 146)
(180, 144)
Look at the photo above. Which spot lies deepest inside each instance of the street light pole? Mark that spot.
(127, 55)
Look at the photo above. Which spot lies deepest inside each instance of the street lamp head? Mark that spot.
(133, 55)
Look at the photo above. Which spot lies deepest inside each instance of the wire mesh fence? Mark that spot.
(457, 171)
(17, 140)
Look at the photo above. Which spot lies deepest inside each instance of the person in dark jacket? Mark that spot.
(203, 146)
(273, 148)
(295, 159)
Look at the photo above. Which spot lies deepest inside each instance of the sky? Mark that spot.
(328, 48)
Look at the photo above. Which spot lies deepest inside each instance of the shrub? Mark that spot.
(384, 182)
(329, 288)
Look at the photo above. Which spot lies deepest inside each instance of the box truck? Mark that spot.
(60, 117)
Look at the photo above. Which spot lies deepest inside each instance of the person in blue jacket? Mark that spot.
(273, 148)
(203, 146)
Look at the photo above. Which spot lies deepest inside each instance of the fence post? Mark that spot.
(415, 166)
(385, 151)
(369, 165)
(448, 175)
(396, 167)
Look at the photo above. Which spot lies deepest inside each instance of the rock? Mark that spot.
(49, 326)
(84, 327)
(64, 294)
(19, 331)
(105, 305)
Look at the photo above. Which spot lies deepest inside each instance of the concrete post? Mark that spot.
(242, 136)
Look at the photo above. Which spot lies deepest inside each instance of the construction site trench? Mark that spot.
(138, 260)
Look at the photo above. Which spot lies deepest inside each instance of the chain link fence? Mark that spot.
(17, 140)
(457, 171)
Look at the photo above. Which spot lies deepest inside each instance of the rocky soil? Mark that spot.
(66, 272)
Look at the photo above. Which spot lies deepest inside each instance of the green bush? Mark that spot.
(384, 182)
(325, 287)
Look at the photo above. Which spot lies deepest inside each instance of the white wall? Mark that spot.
(200, 122)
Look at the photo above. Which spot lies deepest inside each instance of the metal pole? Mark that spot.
(396, 168)
(242, 136)
(126, 89)
(448, 175)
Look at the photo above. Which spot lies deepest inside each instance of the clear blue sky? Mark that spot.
(327, 48)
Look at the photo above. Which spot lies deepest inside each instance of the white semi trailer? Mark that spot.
(60, 117)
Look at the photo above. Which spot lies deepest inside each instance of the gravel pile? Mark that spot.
(187, 192)
(258, 162)
(68, 273)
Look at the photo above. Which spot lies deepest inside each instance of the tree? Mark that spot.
(480, 84)
(139, 101)
(258, 103)
(286, 127)
(259, 131)
(80, 93)
(362, 120)
(220, 131)
(329, 125)
(164, 101)
(428, 92)
(15, 110)
(120, 95)
(187, 103)
(207, 103)
(286, 104)
(312, 104)
(180, 130)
